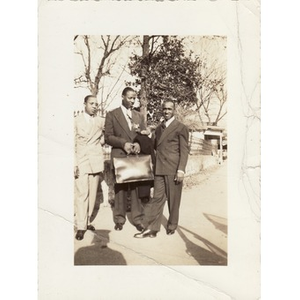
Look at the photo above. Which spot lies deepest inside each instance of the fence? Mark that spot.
(200, 146)
(77, 113)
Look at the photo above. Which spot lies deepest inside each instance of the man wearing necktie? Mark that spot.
(121, 127)
(89, 163)
(171, 145)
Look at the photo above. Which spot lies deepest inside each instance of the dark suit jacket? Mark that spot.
(117, 132)
(147, 145)
(171, 147)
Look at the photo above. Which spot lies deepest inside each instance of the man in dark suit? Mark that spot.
(121, 127)
(171, 144)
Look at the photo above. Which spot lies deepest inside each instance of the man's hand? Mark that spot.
(76, 172)
(136, 148)
(128, 148)
(179, 177)
(102, 140)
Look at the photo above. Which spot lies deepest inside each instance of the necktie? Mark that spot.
(129, 119)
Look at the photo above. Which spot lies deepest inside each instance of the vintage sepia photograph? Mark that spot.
(150, 150)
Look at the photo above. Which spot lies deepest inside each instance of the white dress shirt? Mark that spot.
(88, 118)
(167, 123)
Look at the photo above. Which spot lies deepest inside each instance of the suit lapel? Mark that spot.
(122, 121)
(135, 117)
(167, 131)
(136, 123)
(82, 124)
(89, 129)
(93, 128)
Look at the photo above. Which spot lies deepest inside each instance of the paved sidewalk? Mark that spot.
(201, 237)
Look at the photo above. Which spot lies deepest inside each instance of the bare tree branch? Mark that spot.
(113, 44)
(93, 74)
(222, 116)
(104, 42)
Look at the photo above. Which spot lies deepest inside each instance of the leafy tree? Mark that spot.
(164, 71)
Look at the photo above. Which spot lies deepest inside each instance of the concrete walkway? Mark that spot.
(201, 237)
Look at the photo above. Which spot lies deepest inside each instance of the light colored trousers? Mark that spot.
(86, 186)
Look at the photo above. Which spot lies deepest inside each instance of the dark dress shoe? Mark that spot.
(79, 235)
(170, 231)
(118, 226)
(91, 227)
(140, 227)
(148, 233)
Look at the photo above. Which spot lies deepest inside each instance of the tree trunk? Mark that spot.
(143, 91)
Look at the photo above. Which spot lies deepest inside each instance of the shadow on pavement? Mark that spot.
(98, 253)
(215, 256)
(219, 222)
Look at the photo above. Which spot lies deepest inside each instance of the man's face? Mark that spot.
(91, 106)
(129, 99)
(168, 110)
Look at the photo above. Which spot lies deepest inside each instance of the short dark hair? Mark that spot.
(126, 90)
(86, 98)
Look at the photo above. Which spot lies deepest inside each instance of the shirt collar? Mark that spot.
(126, 111)
(87, 116)
(167, 123)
